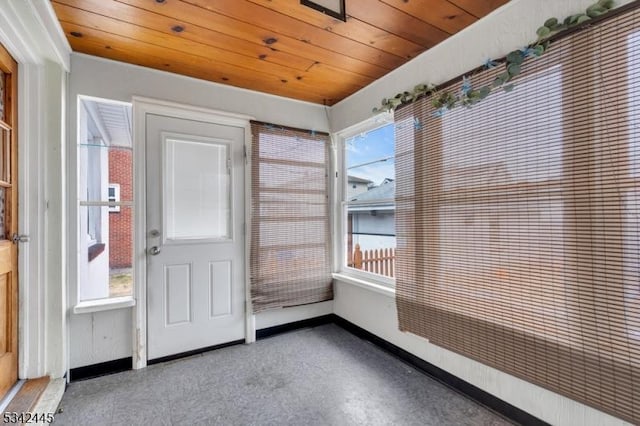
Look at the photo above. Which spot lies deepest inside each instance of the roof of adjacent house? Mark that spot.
(384, 191)
(355, 179)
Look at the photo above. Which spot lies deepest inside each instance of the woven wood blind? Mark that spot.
(518, 221)
(290, 244)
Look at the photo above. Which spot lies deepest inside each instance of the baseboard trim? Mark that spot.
(100, 369)
(263, 333)
(486, 399)
(193, 352)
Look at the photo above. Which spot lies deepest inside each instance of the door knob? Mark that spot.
(155, 250)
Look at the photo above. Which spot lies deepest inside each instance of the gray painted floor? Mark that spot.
(313, 376)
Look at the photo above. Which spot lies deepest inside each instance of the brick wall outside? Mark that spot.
(120, 223)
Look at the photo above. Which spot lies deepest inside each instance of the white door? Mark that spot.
(195, 241)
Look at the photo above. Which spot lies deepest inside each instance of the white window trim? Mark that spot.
(89, 306)
(366, 283)
(342, 272)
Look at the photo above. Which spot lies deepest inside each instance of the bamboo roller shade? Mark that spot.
(290, 244)
(518, 221)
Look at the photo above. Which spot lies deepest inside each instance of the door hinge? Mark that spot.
(20, 238)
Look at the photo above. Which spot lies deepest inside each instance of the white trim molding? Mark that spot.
(59, 44)
(31, 217)
(30, 32)
(141, 108)
(104, 305)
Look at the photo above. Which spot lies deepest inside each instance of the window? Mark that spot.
(104, 207)
(290, 255)
(369, 199)
(114, 198)
(517, 221)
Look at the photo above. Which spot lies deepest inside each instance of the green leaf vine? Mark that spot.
(467, 96)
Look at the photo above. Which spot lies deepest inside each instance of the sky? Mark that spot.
(370, 147)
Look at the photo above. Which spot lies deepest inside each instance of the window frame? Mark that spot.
(76, 205)
(360, 277)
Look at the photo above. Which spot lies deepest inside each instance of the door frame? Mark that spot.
(143, 106)
(30, 31)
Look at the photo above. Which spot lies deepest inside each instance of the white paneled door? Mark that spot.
(195, 237)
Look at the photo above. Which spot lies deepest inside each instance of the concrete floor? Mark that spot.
(314, 376)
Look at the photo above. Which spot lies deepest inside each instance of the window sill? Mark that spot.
(104, 305)
(366, 284)
(95, 250)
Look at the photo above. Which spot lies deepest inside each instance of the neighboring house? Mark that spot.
(120, 218)
(372, 225)
(357, 185)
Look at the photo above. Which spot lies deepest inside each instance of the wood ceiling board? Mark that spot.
(227, 30)
(76, 11)
(281, 24)
(313, 77)
(149, 61)
(382, 15)
(116, 47)
(277, 46)
(353, 29)
(479, 8)
(440, 13)
(185, 14)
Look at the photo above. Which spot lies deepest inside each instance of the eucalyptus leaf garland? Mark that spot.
(467, 96)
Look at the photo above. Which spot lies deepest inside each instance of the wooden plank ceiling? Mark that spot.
(272, 46)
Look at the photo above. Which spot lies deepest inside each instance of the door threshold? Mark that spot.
(4, 402)
(27, 396)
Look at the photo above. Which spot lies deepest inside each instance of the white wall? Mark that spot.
(54, 238)
(104, 336)
(375, 311)
(108, 79)
(512, 26)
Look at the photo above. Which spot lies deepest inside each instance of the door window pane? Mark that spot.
(5, 155)
(3, 230)
(196, 190)
(2, 78)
